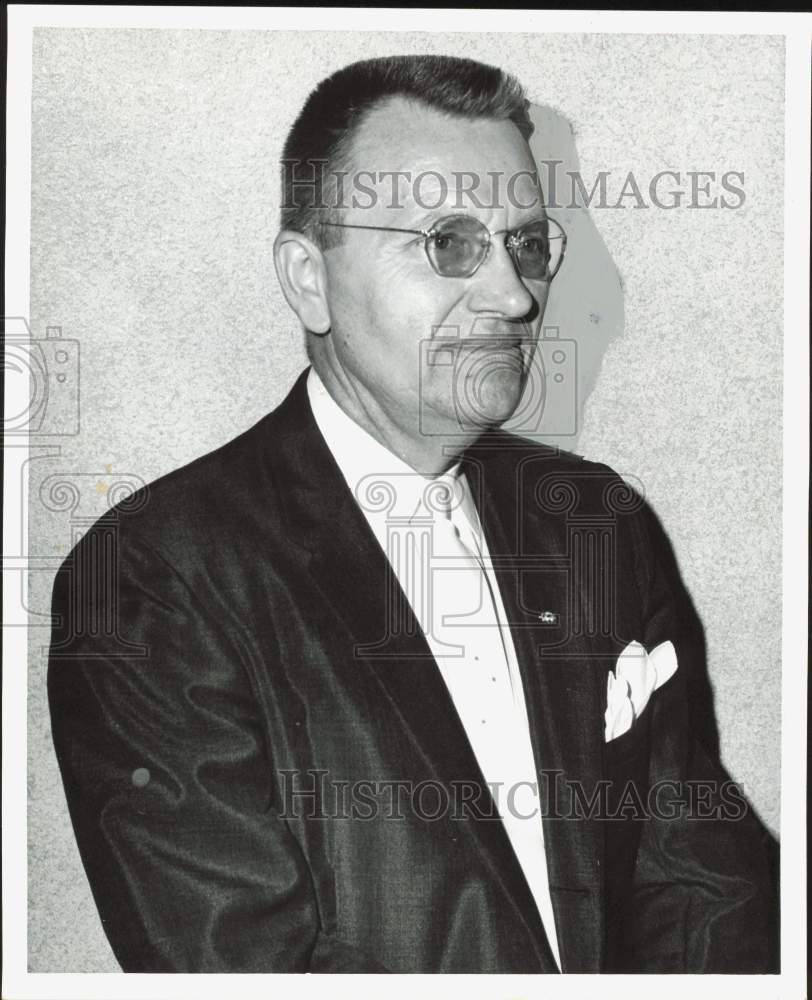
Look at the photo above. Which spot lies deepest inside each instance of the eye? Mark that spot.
(533, 245)
(452, 244)
(457, 245)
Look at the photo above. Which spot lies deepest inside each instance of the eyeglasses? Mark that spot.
(457, 245)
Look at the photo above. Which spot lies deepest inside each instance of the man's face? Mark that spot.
(386, 301)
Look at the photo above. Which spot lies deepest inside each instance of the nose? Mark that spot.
(497, 286)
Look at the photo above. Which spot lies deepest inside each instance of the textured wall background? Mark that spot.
(154, 206)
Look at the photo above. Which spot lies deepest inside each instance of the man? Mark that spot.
(304, 722)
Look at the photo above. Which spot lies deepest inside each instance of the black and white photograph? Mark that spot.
(405, 502)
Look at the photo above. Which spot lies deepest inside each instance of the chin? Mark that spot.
(491, 399)
(497, 413)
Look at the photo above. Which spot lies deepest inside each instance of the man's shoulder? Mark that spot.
(208, 487)
(227, 494)
(509, 450)
(554, 479)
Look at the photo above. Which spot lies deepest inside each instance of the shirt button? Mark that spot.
(140, 777)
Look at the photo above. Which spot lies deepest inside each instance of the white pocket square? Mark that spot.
(628, 689)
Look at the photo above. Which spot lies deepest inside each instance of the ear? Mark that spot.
(300, 269)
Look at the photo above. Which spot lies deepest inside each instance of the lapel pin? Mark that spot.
(548, 618)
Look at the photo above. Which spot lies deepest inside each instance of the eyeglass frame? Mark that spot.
(427, 234)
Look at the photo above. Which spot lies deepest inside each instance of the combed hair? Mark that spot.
(319, 143)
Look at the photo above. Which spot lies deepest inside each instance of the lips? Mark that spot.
(512, 346)
(499, 341)
(491, 364)
(493, 328)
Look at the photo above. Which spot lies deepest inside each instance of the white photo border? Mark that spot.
(18, 983)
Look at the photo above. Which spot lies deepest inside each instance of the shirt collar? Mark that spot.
(367, 466)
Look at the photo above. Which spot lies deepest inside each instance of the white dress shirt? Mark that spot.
(431, 534)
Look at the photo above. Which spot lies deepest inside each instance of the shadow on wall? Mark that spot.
(585, 310)
(584, 314)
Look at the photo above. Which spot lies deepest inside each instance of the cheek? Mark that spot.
(439, 311)
(388, 309)
(407, 314)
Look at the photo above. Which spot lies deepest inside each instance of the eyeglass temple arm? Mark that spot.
(383, 229)
(428, 232)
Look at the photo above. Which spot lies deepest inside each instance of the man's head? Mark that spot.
(409, 142)
(318, 148)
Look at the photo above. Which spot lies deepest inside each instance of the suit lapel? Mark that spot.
(563, 682)
(355, 578)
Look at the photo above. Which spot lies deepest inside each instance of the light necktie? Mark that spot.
(465, 609)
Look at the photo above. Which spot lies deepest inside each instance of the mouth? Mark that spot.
(503, 336)
(511, 347)
(499, 335)
(492, 367)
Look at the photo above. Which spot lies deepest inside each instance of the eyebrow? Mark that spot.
(426, 220)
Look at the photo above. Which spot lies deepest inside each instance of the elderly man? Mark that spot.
(378, 687)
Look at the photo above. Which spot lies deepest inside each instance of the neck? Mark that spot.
(429, 455)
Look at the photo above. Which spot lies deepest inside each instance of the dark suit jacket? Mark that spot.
(231, 637)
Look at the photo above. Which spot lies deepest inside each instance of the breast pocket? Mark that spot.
(626, 771)
(632, 744)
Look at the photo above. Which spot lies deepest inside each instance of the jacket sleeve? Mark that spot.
(158, 732)
(703, 896)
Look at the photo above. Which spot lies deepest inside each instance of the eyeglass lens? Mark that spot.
(458, 245)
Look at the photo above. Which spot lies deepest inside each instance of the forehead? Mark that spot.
(422, 153)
